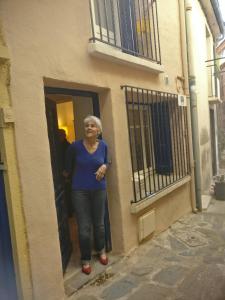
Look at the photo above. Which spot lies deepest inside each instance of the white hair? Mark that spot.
(94, 119)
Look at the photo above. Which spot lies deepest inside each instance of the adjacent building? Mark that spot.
(220, 70)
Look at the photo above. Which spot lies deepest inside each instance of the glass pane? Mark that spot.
(133, 114)
(137, 155)
(137, 117)
(140, 162)
(104, 9)
(147, 147)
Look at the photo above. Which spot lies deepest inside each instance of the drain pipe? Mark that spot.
(217, 93)
(186, 92)
(193, 102)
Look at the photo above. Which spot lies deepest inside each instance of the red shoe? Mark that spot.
(86, 269)
(103, 260)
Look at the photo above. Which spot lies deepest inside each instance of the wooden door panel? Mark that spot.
(61, 209)
(7, 274)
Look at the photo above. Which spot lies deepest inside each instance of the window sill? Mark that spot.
(137, 207)
(214, 100)
(104, 51)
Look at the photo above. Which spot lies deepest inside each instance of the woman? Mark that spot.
(87, 160)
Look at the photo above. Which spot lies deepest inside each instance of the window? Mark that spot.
(130, 25)
(141, 157)
(158, 140)
(103, 13)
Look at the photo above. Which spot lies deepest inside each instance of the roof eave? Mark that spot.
(213, 14)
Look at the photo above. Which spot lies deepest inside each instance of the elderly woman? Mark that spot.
(87, 161)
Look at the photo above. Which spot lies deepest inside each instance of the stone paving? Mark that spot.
(186, 262)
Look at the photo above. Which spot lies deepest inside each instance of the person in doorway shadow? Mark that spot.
(64, 144)
(87, 160)
(63, 147)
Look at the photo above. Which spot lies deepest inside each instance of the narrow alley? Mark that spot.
(185, 262)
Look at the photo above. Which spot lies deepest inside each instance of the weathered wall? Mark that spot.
(47, 41)
(200, 42)
(12, 183)
(173, 207)
(221, 107)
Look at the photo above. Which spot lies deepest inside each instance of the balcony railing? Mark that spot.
(129, 25)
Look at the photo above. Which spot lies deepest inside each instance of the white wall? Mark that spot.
(201, 50)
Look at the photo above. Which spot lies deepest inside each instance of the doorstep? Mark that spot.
(77, 279)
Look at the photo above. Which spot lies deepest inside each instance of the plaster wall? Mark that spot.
(15, 209)
(203, 90)
(82, 107)
(48, 45)
(174, 202)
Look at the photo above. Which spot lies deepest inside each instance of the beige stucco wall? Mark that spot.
(47, 40)
(14, 203)
(82, 108)
(199, 42)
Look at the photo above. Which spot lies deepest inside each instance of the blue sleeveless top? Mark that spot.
(83, 165)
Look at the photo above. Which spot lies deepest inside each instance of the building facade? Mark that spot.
(125, 61)
(220, 50)
(207, 26)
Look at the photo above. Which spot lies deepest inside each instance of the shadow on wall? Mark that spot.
(205, 160)
(206, 168)
(204, 137)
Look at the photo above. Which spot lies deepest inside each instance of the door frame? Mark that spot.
(96, 112)
(73, 92)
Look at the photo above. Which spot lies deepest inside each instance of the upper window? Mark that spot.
(103, 13)
(130, 25)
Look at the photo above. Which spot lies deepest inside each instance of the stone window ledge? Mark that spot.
(137, 207)
(107, 52)
(214, 100)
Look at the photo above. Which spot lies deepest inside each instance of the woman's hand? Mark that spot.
(101, 172)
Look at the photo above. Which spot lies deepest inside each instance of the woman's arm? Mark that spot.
(102, 169)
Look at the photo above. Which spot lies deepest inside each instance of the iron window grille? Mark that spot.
(158, 135)
(129, 25)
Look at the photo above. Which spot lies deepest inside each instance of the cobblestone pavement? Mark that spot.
(186, 262)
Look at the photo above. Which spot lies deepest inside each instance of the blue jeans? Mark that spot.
(89, 207)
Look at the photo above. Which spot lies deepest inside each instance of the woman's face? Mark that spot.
(91, 129)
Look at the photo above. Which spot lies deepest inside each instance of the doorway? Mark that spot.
(8, 290)
(66, 110)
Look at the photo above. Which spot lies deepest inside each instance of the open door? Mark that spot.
(7, 275)
(62, 212)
